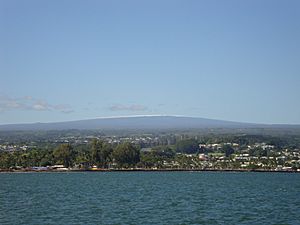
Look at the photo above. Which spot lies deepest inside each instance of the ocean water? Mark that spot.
(149, 198)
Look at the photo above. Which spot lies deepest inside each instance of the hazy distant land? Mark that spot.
(142, 123)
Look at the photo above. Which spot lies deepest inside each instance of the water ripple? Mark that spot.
(149, 198)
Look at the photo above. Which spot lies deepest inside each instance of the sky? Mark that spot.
(63, 60)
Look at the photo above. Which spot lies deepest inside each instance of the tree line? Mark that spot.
(102, 154)
(97, 153)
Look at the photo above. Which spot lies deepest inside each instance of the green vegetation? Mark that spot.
(65, 155)
(100, 153)
(153, 151)
(126, 155)
(97, 153)
(189, 146)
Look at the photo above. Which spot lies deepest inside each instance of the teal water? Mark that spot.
(149, 198)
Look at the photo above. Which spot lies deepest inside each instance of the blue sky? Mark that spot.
(69, 59)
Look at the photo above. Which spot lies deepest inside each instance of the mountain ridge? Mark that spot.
(139, 122)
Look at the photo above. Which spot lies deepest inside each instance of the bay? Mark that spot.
(150, 198)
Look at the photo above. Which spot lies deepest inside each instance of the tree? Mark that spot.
(126, 155)
(64, 154)
(228, 150)
(100, 153)
(6, 160)
(164, 152)
(96, 146)
(106, 154)
(157, 156)
(189, 146)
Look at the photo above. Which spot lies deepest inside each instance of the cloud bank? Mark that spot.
(30, 103)
(133, 108)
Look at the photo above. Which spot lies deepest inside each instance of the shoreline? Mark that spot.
(147, 170)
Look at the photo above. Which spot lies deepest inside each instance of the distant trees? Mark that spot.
(34, 157)
(156, 156)
(188, 146)
(100, 153)
(228, 150)
(258, 151)
(6, 160)
(170, 152)
(65, 155)
(126, 155)
(96, 147)
(164, 152)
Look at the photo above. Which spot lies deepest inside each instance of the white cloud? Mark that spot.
(65, 108)
(134, 107)
(30, 103)
(40, 105)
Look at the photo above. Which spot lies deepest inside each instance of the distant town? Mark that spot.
(95, 151)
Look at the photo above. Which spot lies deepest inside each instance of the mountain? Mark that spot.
(137, 123)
